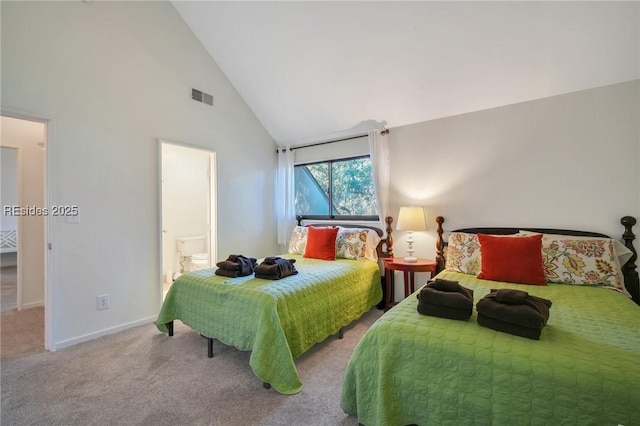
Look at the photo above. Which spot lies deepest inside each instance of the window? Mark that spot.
(336, 189)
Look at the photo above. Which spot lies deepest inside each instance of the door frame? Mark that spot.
(49, 262)
(212, 236)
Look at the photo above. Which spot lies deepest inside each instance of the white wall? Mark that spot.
(25, 136)
(569, 161)
(112, 77)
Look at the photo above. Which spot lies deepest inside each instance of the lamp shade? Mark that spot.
(411, 219)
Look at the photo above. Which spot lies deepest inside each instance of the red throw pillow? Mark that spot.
(321, 243)
(512, 259)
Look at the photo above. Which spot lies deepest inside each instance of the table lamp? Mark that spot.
(411, 219)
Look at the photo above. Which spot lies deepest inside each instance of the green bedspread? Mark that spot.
(276, 320)
(585, 369)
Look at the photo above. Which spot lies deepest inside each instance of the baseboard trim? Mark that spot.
(91, 336)
(33, 304)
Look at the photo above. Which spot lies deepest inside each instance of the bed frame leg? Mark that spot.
(170, 327)
(209, 347)
(266, 385)
(341, 333)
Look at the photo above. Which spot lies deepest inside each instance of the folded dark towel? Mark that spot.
(228, 265)
(510, 296)
(458, 300)
(227, 273)
(237, 262)
(444, 311)
(446, 285)
(279, 268)
(532, 313)
(455, 302)
(272, 260)
(461, 297)
(506, 327)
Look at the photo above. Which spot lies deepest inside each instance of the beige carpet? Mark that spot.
(144, 377)
(21, 333)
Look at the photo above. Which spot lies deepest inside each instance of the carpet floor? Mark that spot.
(143, 377)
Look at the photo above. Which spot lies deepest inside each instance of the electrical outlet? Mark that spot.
(102, 302)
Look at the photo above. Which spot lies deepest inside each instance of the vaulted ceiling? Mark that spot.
(313, 70)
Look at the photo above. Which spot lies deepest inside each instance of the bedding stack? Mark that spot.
(275, 268)
(445, 299)
(514, 312)
(236, 265)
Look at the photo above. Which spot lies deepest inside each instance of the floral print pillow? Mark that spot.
(351, 243)
(298, 240)
(581, 261)
(463, 253)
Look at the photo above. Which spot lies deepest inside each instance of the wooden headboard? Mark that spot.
(629, 269)
(384, 248)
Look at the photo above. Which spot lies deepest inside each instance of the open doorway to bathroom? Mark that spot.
(188, 185)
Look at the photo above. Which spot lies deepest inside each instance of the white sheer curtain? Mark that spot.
(285, 209)
(379, 152)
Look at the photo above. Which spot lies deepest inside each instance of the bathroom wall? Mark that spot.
(185, 195)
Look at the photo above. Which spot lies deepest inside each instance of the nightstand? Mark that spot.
(398, 264)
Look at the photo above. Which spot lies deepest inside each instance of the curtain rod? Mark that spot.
(293, 148)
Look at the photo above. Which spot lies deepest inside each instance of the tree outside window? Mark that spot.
(333, 189)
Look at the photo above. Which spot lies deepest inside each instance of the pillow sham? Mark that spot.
(569, 259)
(622, 252)
(372, 241)
(351, 243)
(512, 259)
(463, 253)
(321, 243)
(298, 240)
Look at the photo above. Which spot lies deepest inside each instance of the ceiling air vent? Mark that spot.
(199, 96)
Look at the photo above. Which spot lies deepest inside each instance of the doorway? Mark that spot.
(188, 209)
(24, 223)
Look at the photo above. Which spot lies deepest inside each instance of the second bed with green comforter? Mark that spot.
(585, 369)
(275, 320)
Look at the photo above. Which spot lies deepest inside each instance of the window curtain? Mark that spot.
(379, 152)
(285, 209)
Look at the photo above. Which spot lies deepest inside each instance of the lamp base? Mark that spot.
(410, 259)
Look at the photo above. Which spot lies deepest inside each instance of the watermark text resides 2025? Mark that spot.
(61, 210)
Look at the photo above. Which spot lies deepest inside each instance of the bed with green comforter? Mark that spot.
(277, 320)
(585, 369)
